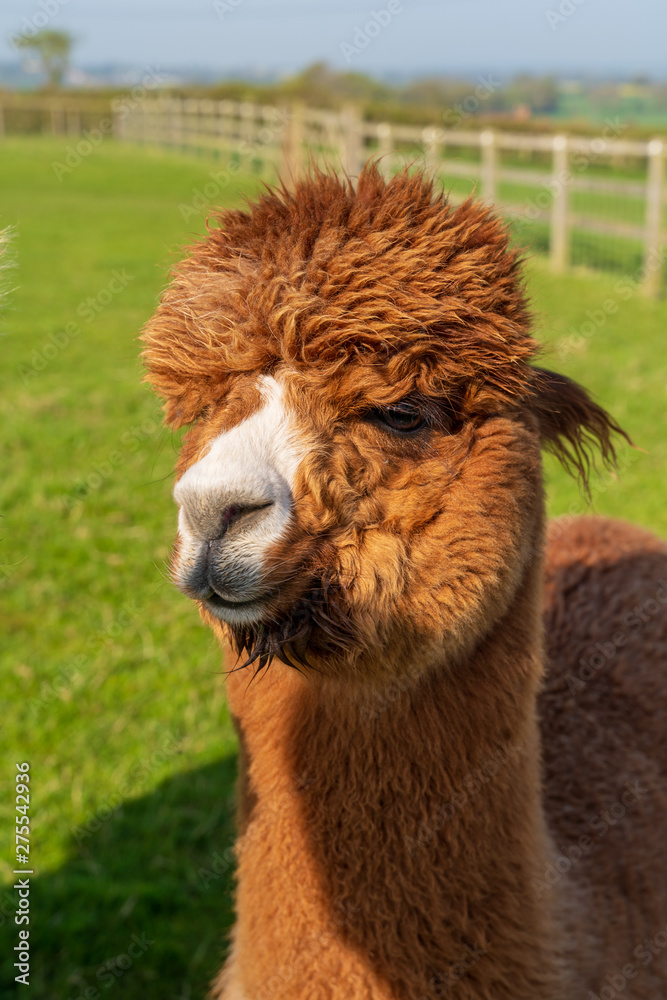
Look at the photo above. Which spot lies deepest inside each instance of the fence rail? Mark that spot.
(596, 201)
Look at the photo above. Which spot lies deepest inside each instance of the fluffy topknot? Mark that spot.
(389, 274)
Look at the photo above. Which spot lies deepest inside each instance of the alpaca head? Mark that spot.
(362, 474)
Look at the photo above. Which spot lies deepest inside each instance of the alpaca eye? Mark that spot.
(401, 417)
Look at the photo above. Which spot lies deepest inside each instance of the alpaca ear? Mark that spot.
(572, 426)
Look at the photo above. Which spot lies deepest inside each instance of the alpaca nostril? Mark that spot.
(230, 514)
(240, 514)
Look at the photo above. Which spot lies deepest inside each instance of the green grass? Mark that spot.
(113, 690)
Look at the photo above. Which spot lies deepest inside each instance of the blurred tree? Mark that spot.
(53, 49)
(540, 94)
(321, 86)
(434, 91)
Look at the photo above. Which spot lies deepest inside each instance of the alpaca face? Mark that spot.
(346, 532)
(360, 487)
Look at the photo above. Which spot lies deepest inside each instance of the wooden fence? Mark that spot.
(570, 187)
(58, 115)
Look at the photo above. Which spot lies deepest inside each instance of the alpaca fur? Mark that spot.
(436, 798)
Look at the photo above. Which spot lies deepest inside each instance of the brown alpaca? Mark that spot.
(439, 797)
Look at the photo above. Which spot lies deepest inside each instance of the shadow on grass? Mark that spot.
(142, 907)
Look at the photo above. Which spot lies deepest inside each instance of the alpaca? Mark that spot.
(451, 717)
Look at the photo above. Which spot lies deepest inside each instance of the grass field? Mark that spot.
(113, 690)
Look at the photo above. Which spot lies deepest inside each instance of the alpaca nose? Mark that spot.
(222, 533)
(212, 517)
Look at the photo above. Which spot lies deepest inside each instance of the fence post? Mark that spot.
(225, 125)
(352, 153)
(653, 239)
(73, 122)
(119, 130)
(487, 140)
(2, 121)
(247, 112)
(61, 118)
(559, 242)
(292, 145)
(430, 138)
(385, 148)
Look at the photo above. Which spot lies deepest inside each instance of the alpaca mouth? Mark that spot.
(244, 611)
(216, 601)
(232, 595)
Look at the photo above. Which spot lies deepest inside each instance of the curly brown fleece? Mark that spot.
(397, 842)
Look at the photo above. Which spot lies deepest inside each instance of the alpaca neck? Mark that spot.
(392, 839)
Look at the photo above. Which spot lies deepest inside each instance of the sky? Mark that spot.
(409, 37)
